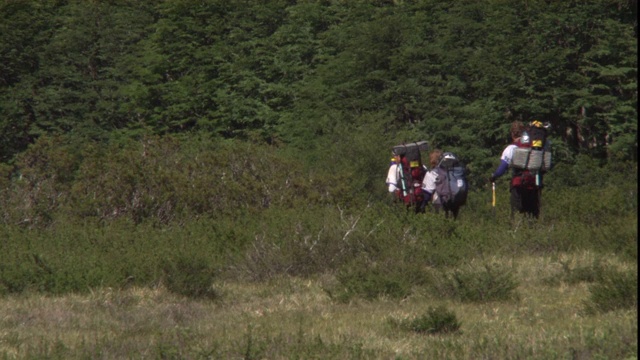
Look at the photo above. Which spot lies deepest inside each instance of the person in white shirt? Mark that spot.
(392, 175)
(430, 179)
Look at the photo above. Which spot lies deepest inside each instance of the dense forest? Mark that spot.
(328, 85)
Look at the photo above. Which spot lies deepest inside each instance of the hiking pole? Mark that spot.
(493, 198)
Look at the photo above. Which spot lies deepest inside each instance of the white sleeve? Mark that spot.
(507, 154)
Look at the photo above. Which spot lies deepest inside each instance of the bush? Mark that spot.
(479, 284)
(16, 277)
(371, 284)
(190, 277)
(612, 291)
(437, 320)
(40, 182)
(296, 242)
(589, 273)
(163, 179)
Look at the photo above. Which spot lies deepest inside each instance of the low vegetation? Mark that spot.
(259, 257)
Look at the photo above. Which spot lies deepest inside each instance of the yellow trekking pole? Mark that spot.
(493, 198)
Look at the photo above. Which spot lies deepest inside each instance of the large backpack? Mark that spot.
(451, 183)
(411, 172)
(531, 157)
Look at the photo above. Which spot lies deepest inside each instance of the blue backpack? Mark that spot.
(451, 184)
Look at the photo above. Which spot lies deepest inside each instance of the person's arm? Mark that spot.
(505, 160)
(502, 168)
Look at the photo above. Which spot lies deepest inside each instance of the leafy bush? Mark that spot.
(162, 179)
(589, 273)
(614, 290)
(41, 179)
(478, 284)
(370, 280)
(16, 277)
(437, 320)
(190, 277)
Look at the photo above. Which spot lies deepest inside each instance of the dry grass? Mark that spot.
(295, 318)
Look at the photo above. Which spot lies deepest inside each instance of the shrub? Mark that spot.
(190, 277)
(437, 320)
(370, 285)
(163, 179)
(16, 277)
(40, 182)
(295, 242)
(479, 284)
(362, 278)
(614, 290)
(589, 273)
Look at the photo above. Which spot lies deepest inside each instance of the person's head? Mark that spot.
(517, 127)
(434, 157)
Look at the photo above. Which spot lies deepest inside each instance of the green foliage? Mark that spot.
(490, 282)
(585, 170)
(311, 74)
(111, 214)
(47, 274)
(370, 281)
(79, 257)
(437, 320)
(16, 277)
(42, 177)
(614, 290)
(190, 276)
(589, 274)
(297, 242)
(164, 180)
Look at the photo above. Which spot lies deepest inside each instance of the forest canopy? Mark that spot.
(315, 75)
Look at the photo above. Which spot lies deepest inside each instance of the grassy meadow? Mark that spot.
(290, 317)
(518, 291)
(141, 263)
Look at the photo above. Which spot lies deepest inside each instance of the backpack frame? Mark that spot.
(411, 173)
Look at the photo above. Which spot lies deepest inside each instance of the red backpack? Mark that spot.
(410, 172)
(522, 176)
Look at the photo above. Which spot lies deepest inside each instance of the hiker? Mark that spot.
(429, 182)
(392, 177)
(526, 179)
(445, 183)
(408, 171)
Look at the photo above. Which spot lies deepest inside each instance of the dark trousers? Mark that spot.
(525, 201)
(448, 210)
